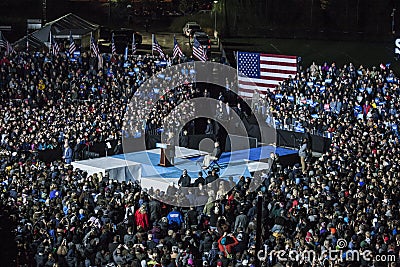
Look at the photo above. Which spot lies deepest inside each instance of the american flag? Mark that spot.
(54, 47)
(94, 48)
(263, 71)
(198, 51)
(72, 46)
(5, 44)
(113, 49)
(10, 49)
(133, 44)
(177, 50)
(156, 47)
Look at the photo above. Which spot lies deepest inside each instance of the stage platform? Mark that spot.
(143, 166)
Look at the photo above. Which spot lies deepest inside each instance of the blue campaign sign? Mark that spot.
(315, 116)
(299, 129)
(161, 63)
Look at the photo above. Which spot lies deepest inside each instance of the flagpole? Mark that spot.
(50, 42)
(237, 73)
(90, 45)
(133, 44)
(27, 39)
(152, 44)
(69, 49)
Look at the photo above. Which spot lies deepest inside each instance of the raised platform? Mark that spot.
(143, 166)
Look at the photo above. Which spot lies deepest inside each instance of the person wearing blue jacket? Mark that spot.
(67, 154)
(175, 219)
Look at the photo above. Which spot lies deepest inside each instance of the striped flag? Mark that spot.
(3, 41)
(72, 46)
(198, 51)
(156, 47)
(54, 47)
(177, 50)
(133, 44)
(10, 49)
(94, 47)
(5, 44)
(113, 49)
(263, 71)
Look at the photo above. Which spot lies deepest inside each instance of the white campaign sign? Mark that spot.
(397, 46)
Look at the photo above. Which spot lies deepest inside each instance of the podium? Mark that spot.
(163, 156)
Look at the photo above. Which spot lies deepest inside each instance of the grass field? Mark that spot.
(342, 52)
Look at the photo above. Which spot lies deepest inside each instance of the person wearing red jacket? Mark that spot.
(224, 246)
(142, 218)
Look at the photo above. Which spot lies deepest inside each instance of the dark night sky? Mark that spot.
(370, 17)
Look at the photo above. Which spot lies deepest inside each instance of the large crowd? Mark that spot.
(63, 217)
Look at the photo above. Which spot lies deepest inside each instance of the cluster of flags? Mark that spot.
(4, 44)
(199, 51)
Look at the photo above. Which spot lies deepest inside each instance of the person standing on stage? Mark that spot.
(67, 154)
(185, 179)
(303, 155)
(210, 128)
(171, 148)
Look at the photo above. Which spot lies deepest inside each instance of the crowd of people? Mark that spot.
(62, 216)
(322, 98)
(47, 100)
